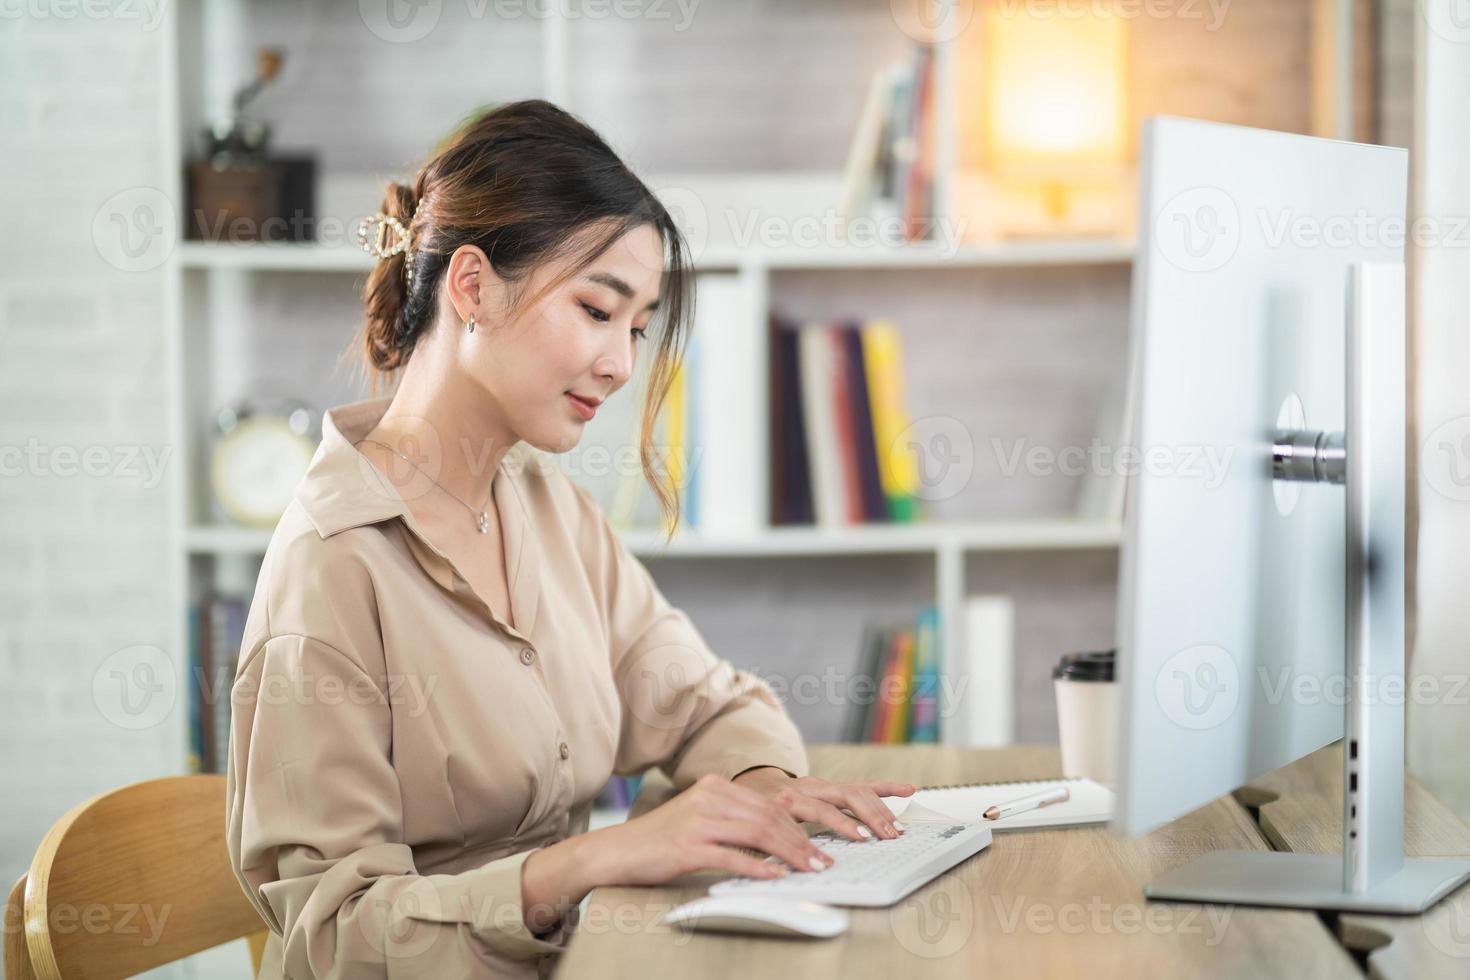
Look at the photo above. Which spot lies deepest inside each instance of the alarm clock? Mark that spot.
(257, 459)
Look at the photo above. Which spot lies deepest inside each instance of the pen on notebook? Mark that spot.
(1028, 803)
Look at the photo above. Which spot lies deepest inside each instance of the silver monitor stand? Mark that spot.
(1371, 874)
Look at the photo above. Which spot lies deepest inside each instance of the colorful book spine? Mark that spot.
(873, 505)
(675, 448)
(916, 195)
(898, 720)
(196, 687)
(844, 409)
(925, 692)
(897, 466)
(815, 351)
(790, 486)
(883, 693)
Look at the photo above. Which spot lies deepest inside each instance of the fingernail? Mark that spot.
(864, 831)
(817, 864)
(899, 825)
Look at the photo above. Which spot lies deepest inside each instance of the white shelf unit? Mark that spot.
(281, 257)
(937, 538)
(206, 283)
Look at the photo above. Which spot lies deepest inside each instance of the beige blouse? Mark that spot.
(396, 751)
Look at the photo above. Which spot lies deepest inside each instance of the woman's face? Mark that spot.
(548, 369)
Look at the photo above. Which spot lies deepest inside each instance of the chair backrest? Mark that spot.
(133, 879)
(17, 960)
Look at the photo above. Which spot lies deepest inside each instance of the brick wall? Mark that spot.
(84, 564)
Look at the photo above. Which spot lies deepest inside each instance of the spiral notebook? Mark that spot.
(1090, 803)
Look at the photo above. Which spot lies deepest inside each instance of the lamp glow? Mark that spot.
(1055, 99)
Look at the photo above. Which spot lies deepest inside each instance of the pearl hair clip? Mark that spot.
(373, 236)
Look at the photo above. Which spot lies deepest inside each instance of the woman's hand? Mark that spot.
(823, 802)
(700, 829)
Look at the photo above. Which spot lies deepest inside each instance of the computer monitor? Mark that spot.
(1261, 579)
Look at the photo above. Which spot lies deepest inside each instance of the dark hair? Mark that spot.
(528, 183)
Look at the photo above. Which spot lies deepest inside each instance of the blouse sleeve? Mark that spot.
(684, 709)
(315, 831)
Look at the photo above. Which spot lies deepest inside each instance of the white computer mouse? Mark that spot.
(764, 915)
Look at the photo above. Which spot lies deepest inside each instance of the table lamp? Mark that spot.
(1055, 105)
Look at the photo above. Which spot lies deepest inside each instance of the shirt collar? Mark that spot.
(343, 489)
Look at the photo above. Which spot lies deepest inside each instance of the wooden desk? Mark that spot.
(1301, 810)
(1040, 903)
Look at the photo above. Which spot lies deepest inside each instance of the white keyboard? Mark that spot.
(874, 872)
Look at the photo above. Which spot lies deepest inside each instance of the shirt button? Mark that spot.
(527, 656)
(565, 751)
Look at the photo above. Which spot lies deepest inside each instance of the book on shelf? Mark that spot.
(216, 628)
(837, 416)
(619, 792)
(902, 662)
(890, 171)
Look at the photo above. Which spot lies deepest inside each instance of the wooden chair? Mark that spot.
(128, 881)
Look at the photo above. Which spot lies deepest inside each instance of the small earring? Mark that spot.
(471, 323)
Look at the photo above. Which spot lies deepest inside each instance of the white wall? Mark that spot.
(83, 568)
(1439, 711)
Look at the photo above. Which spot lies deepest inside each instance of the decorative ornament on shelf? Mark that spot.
(239, 191)
(258, 457)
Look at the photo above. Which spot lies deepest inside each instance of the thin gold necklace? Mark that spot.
(481, 517)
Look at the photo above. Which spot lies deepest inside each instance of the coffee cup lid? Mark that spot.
(1092, 665)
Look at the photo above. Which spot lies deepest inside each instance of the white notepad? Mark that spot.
(1090, 803)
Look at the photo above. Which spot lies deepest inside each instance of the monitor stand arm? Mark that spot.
(1372, 874)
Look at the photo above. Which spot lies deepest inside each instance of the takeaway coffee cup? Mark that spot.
(1087, 699)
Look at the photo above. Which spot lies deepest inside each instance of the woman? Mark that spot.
(449, 650)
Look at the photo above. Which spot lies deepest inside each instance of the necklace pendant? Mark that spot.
(484, 523)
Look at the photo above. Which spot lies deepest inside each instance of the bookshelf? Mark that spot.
(232, 309)
(280, 257)
(918, 539)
